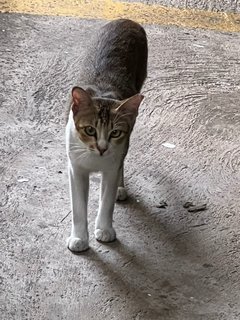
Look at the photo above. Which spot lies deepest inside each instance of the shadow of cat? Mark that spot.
(157, 271)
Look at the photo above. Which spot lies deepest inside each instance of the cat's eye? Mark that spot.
(90, 131)
(116, 133)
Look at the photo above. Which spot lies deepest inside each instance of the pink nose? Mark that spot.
(101, 150)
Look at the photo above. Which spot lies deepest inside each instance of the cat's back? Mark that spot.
(122, 34)
(117, 57)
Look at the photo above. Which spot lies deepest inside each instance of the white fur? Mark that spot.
(81, 162)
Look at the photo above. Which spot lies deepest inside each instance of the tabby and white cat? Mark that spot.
(101, 118)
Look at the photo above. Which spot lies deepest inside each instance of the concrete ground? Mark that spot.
(168, 263)
(212, 5)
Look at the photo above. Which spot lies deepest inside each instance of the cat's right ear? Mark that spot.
(81, 100)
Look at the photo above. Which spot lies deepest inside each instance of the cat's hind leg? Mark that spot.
(121, 191)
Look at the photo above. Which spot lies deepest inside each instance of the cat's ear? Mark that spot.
(132, 104)
(81, 99)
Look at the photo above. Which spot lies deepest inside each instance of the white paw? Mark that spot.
(105, 235)
(121, 194)
(76, 244)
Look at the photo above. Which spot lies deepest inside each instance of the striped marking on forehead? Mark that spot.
(104, 114)
(104, 107)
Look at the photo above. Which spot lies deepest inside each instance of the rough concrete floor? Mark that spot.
(167, 263)
(212, 5)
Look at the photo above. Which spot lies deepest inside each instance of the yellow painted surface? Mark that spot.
(143, 13)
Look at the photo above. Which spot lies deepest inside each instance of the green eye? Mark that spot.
(90, 131)
(116, 133)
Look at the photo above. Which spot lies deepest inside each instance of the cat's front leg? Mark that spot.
(79, 186)
(104, 230)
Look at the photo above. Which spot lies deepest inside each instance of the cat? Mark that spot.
(102, 115)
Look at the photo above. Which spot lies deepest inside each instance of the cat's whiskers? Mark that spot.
(74, 143)
(76, 152)
(82, 156)
(76, 148)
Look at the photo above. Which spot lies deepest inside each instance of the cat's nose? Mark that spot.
(101, 150)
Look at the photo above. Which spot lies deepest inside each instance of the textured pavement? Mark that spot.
(211, 5)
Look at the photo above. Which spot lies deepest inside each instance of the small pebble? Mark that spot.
(22, 180)
(201, 207)
(187, 204)
(168, 145)
(207, 265)
(194, 208)
(162, 205)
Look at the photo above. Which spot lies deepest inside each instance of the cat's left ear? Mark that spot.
(81, 100)
(132, 104)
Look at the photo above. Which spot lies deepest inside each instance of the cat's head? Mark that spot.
(103, 124)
